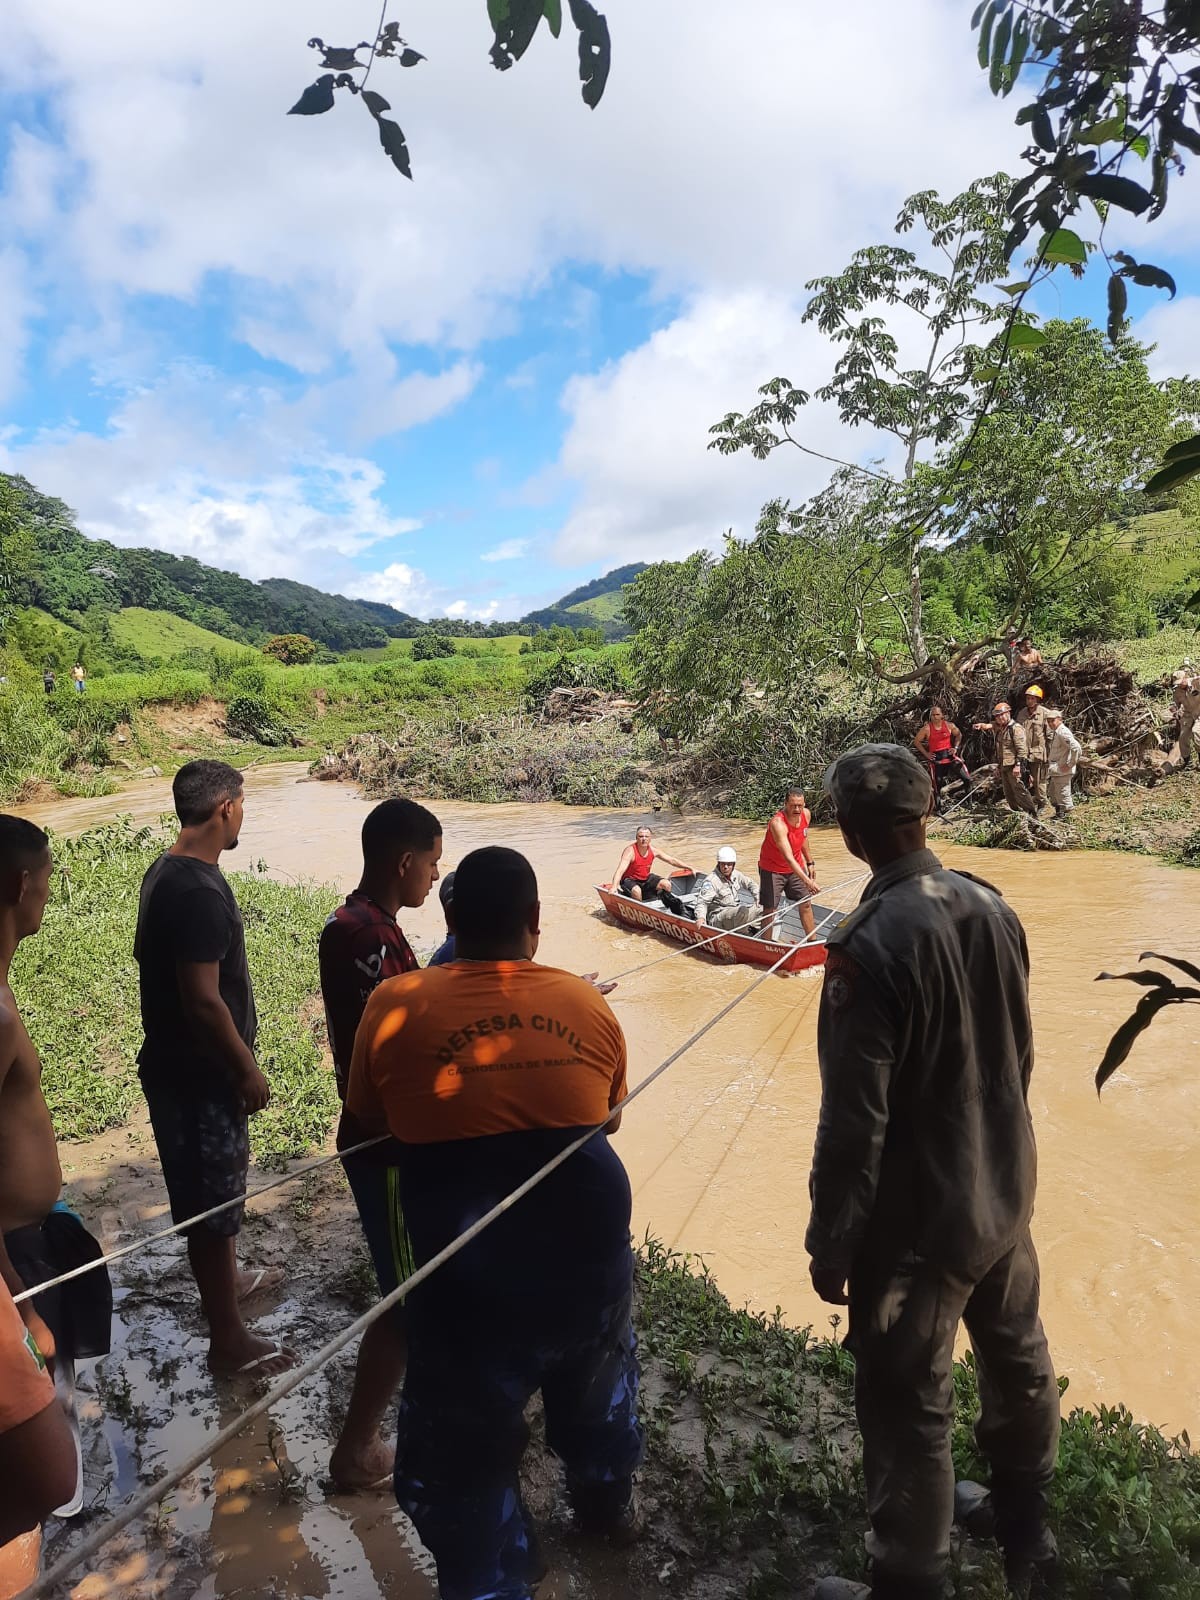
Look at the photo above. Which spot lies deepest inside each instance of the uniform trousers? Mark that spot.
(1015, 792)
(1060, 791)
(462, 1434)
(1036, 773)
(903, 1320)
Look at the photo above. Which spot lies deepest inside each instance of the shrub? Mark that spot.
(431, 645)
(248, 716)
(250, 678)
(292, 649)
(583, 670)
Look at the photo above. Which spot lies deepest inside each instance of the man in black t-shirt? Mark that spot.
(197, 1064)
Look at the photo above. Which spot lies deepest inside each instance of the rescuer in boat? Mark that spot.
(922, 1186)
(634, 875)
(786, 869)
(718, 900)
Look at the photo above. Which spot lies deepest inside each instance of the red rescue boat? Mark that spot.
(653, 917)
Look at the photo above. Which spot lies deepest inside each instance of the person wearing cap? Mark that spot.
(1032, 718)
(1186, 697)
(719, 900)
(922, 1188)
(1010, 750)
(445, 952)
(1064, 751)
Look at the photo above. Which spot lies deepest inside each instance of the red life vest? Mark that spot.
(770, 857)
(639, 867)
(939, 738)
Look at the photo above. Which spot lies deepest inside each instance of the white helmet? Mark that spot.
(727, 853)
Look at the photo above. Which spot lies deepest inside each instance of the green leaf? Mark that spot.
(1043, 129)
(986, 374)
(996, 77)
(1173, 961)
(1140, 145)
(1019, 49)
(1103, 132)
(497, 13)
(1064, 249)
(1118, 303)
(1014, 288)
(985, 33)
(553, 15)
(1194, 603)
(977, 14)
(1122, 192)
(1147, 276)
(1023, 337)
(1184, 450)
(1170, 477)
(318, 97)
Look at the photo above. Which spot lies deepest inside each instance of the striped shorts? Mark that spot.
(376, 1190)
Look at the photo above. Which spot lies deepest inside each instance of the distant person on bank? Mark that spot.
(786, 869)
(1186, 698)
(940, 742)
(1032, 720)
(483, 1070)
(922, 1185)
(197, 1064)
(79, 677)
(362, 945)
(1009, 751)
(1026, 655)
(719, 900)
(1064, 751)
(49, 681)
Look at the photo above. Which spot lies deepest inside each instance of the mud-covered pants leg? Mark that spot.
(903, 1322)
(1036, 773)
(462, 1434)
(1019, 1417)
(1015, 792)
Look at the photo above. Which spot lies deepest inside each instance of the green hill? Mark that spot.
(160, 634)
(594, 604)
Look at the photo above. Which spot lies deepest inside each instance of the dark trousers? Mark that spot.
(903, 1322)
(462, 1434)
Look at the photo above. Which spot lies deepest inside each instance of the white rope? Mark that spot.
(291, 1380)
(812, 937)
(724, 933)
(190, 1222)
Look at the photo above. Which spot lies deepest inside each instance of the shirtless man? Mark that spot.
(39, 1238)
(1186, 697)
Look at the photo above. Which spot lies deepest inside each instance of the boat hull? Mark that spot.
(731, 946)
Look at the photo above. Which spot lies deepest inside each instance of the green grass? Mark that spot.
(1161, 652)
(601, 607)
(160, 634)
(77, 985)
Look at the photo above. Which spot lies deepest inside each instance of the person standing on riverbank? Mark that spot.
(1064, 751)
(1008, 738)
(483, 1070)
(1032, 720)
(1186, 697)
(940, 743)
(196, 1064)
(39, 1236)
(786, 869)
(362, 945)
(922, 1185)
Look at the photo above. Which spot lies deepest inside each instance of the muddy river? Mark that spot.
(718, 1149)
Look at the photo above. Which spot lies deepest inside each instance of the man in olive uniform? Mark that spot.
(1187, 697)
(1032, 720)
(923, 1185)
(1010, 751)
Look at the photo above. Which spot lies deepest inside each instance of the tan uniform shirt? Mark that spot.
(1010, 744)
(1034, 725)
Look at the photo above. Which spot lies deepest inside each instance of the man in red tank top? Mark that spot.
(786, 869)
(940, 742)
(634, 875)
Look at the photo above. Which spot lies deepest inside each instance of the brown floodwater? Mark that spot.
(718, 1150)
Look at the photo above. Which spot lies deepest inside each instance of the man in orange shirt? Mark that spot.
(482, 1070)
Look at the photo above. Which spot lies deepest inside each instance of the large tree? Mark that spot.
(916, 387)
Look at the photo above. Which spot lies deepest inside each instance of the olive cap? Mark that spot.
(879, 784)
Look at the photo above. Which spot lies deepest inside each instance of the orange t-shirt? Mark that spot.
(26, 1388)
(475, 1048)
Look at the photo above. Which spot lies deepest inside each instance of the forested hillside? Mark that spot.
(599, 603)
(50, 565)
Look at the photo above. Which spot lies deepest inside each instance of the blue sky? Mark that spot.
(239, 335)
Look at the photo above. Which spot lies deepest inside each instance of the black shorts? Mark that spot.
(650, 885)
(204, 1148)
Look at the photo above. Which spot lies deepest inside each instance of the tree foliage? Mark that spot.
(432, 645)
(292, 649)
(514, 24)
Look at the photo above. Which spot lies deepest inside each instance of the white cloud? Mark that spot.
(509, 550)
(17, 307)
(636, 444)
(397, 585)
(1174, 328)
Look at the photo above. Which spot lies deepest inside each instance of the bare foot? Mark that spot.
(258, 1280)
(251, 1357)
(363, 1469)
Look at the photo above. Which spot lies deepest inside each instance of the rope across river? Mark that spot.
(150, 1496)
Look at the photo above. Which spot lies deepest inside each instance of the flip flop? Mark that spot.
(257, 1363)
(256, 1284)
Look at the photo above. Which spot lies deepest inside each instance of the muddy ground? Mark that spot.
(263, 1520)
